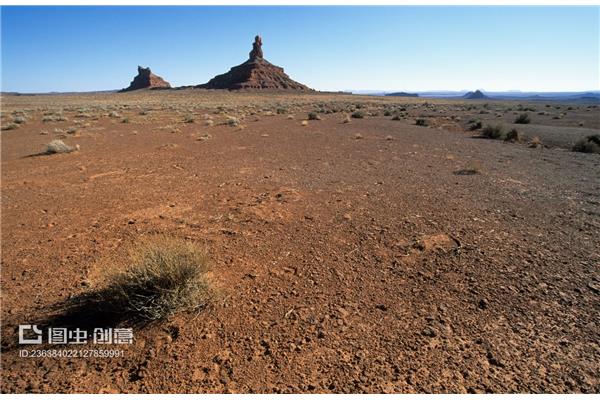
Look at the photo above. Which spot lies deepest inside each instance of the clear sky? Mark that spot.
(327, 48)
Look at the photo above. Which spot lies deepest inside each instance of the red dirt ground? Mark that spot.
(347, 257)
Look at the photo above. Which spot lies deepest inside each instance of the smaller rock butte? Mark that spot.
(145, 79)
(475, 95)
(255, 73)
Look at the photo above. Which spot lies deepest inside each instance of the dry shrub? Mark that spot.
(313, 116)
(58, 146)
(589, 144)
(535, 142)
(233, 121)
(523, 119)
(514, 136)
(493, 132)
(164, 275)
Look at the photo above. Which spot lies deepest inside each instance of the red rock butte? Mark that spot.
(255, 73)
(145, 79)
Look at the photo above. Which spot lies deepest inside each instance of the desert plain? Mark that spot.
(356, 243)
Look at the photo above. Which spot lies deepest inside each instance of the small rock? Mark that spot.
(483, 304)
(429, 332)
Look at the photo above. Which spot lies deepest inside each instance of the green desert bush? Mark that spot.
(421, 122)
(358, 114)
(589, 144)
(523, 119)
(164, 275)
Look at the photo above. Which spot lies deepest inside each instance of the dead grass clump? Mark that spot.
(472, 168)
(58, 147)
(535, 142)
(165, 275)
(589, 144)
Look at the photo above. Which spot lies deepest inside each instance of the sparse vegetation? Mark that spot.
(472, 168)
(165, 275)
(10, 127)
(58, 147)
(589, 144)
(493, 132)
(421, 122)
(475, 126)
(513, 136)
(535, 142)
(523, 119)
(358, 114)
(313, 116)
(232, 121)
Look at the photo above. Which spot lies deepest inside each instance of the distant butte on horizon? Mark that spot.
(145, 79)
(255, 73)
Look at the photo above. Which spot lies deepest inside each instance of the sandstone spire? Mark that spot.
(255, 73)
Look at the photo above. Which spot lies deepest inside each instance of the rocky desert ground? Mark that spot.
(356, 244)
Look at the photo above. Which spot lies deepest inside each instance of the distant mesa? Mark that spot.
(255, 73)
(402, 94)
(145, 79)
(476, 95)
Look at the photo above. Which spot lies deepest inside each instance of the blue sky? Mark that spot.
(327, 48)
